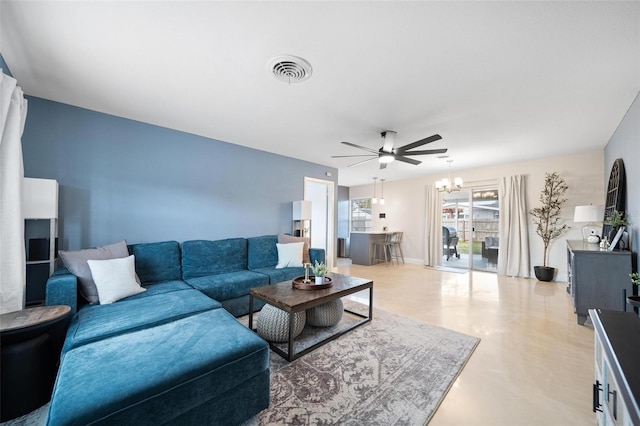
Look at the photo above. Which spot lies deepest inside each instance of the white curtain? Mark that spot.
(433, 228)
(513, 256)
(13, 112)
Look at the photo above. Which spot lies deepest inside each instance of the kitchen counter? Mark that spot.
(361, 246)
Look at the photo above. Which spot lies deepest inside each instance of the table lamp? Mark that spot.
(589, 214)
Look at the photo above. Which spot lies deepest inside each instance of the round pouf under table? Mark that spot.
(326, 315)
(273, 324)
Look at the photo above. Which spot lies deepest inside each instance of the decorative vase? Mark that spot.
(319, 280)
(544, 273)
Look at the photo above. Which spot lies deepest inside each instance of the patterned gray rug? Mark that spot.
(393, 370)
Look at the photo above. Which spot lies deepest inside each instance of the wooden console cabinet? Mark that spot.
(617, 372)
(597, 278)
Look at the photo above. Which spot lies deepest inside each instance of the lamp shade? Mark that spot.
(40, 198)
(589, 213)
(302, 210)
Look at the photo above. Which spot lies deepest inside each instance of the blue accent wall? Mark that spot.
(121, 178)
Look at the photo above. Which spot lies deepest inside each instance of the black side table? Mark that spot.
(28, 358)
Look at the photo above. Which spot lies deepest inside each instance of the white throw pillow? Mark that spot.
(289, 255)
(115, 278)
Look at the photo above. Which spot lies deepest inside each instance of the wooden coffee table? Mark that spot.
(284, 296)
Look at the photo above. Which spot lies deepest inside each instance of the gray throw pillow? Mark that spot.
(76, 263)
(288, 239)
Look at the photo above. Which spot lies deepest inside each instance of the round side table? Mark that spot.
(28, 361)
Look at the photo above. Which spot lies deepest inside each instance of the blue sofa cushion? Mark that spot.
(316, 255)
(161, 287)
(96, 322)
(157, 261)
(262, 252)
(154, 376)
(228, 286)
(279, 275)
(201, 258)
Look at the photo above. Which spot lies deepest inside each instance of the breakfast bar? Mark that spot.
(362, 246)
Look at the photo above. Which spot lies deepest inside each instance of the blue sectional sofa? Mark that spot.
(173, 354)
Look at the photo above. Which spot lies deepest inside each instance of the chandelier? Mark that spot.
(448, 185)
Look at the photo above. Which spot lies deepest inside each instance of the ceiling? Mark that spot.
(499, 81)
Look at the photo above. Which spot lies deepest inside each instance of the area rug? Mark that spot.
(393, 370)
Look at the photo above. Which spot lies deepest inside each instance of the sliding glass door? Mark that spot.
(485, 206)
(470, 229)
(455, 230)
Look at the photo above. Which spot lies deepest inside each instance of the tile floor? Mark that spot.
(534, 364)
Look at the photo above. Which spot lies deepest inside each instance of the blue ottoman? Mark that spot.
(202, 369)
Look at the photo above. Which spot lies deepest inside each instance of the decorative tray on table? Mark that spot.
(311, 285)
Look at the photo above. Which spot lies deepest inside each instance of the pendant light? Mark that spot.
(374, 200)
(382, 191)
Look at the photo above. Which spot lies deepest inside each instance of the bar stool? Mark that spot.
(396, 246)
(385, 246)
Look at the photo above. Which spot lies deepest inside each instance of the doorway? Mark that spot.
(321, 193)
(470, 229)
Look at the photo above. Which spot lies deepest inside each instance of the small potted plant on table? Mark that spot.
(319, 270)
(547, 219)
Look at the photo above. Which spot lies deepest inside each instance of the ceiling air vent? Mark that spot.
(290, 69)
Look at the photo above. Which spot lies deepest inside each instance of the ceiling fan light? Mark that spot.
(386, 157)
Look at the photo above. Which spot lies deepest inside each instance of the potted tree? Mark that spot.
(548, 220)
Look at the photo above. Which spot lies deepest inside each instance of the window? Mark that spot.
(361, 215)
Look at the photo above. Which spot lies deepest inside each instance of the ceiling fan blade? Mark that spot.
(416, 144)
(360, 147)
(426, 152)
(356, 155)
(383, 166)
(408, 160)
(361, 162)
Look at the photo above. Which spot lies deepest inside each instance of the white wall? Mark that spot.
(405, 200)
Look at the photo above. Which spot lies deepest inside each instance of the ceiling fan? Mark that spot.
(388, 153)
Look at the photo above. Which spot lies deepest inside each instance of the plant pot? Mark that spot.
(544, 273)
(319, 280)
